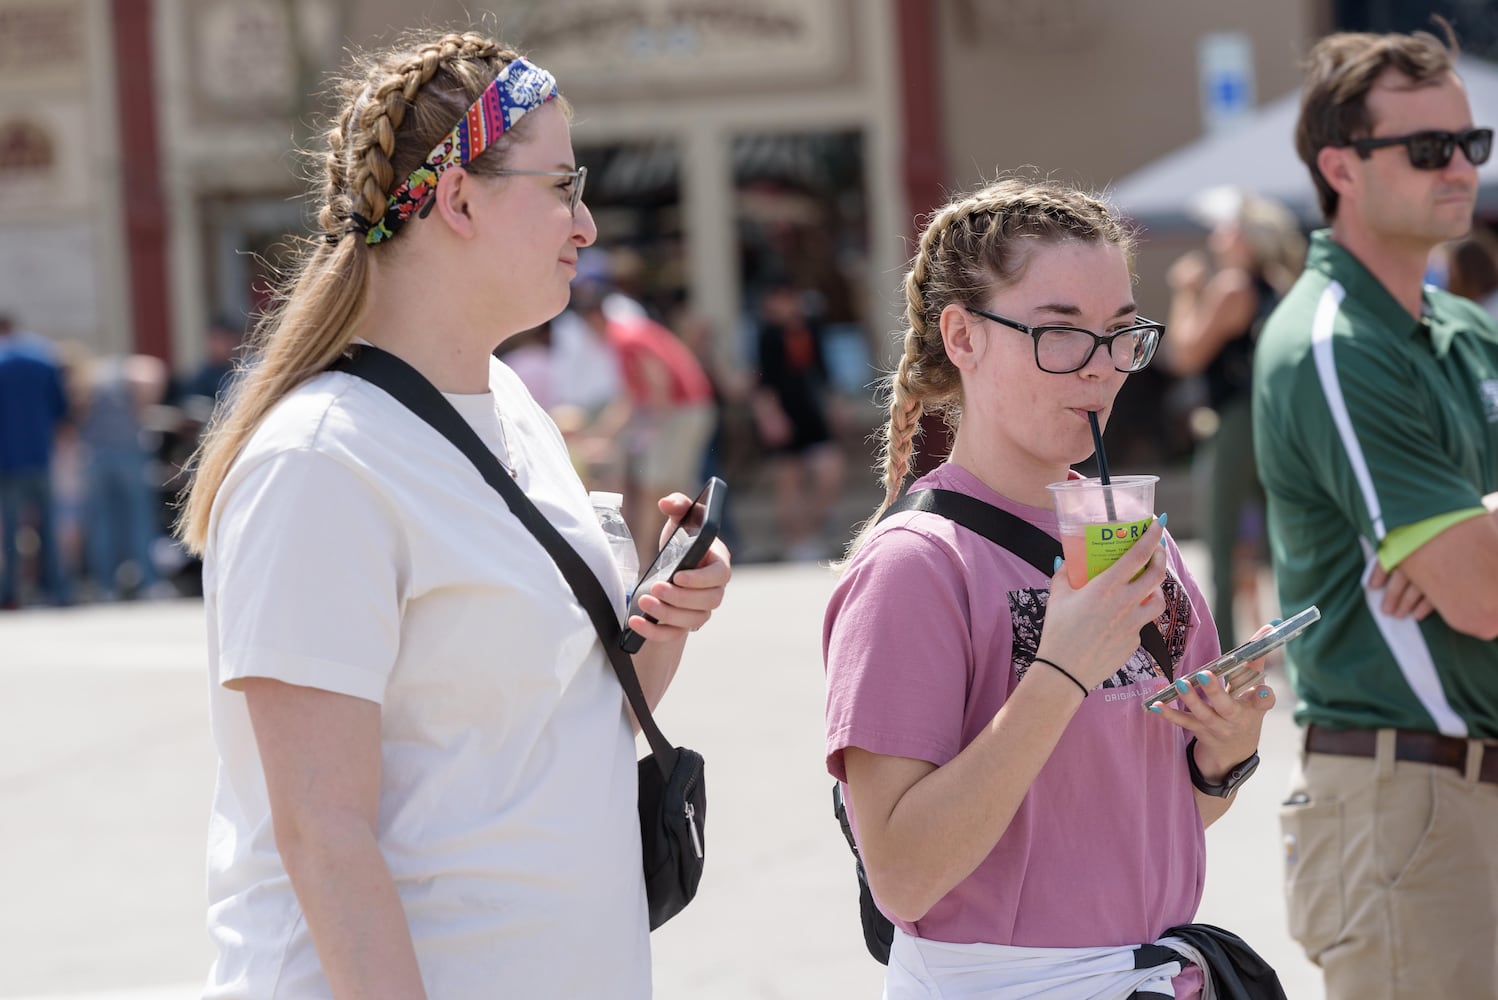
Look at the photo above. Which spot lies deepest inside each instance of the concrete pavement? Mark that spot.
(106, 770)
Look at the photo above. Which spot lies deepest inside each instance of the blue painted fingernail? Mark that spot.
(1163, 519)
(1277, 621)
(1204, 677)
(1263, 692)
(1183, 685)
(1157, 709)
(1056, 568)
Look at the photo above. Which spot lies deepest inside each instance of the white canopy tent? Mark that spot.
(1259, 155)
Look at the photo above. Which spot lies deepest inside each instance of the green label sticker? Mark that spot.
(1106, 542)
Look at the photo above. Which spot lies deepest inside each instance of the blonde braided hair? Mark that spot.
(974, 244)
(394, 107)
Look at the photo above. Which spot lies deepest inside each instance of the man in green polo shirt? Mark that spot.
(1376, 434)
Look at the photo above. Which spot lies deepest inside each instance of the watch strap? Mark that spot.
(1237, 774)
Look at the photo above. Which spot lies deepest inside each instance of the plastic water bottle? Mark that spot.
(609, 508)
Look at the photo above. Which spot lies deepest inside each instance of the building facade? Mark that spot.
(62, 263)
(733, 144)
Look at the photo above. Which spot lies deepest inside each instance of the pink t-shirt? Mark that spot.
(928, 632)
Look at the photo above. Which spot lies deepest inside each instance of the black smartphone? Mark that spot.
(685, 549)
(1232, 666)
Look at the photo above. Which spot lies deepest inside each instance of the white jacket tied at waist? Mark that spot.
(926, 970)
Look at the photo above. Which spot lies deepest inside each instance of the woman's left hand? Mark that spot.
(1226, 726)
(685, 603)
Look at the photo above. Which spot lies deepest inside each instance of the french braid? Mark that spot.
(969, 247)
(394, 107)
(384, 149)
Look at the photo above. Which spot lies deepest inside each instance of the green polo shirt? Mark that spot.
(1367, 422)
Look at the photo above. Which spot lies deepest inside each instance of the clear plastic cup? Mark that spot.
(1100, 523)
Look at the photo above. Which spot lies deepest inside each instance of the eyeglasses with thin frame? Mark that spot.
(1061, 350)
(574, 193)
(1432, 149)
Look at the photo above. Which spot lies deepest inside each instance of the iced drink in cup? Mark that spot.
(1100, 523)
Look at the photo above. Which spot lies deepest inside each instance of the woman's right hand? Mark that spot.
(1093, 630)
(1189, 272)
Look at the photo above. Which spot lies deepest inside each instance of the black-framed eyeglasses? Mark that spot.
(1063, 349)
(1433, 149)
(574, 191)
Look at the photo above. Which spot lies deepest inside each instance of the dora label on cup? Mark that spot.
(1106, 542)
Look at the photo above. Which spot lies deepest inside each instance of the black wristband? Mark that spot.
(1064, 672)
(1235, 777)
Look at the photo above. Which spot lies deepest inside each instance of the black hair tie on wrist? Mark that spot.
(1064, 672)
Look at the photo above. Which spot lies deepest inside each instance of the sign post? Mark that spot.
(1225, 65)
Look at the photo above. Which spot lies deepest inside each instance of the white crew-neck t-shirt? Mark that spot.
(353, 549)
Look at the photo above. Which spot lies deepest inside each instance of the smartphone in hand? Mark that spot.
(1232, 666)
(685, 549)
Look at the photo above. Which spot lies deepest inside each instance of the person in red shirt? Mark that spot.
(672, 401)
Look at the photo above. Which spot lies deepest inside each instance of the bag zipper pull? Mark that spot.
(692, 825)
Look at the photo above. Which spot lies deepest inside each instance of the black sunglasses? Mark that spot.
(1060, 350)
(1433, 149)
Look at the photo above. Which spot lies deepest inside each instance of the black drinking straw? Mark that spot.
(1102, 464)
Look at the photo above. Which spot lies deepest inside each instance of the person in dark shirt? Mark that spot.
(1216, 311)
(790, 408)
(216, 375)
(33, 405)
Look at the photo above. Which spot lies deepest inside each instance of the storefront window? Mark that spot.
(634, 193)
(802, 210)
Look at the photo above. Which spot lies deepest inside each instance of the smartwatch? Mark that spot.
(1237, 774)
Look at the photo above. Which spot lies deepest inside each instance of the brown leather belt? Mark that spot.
(1409, 744)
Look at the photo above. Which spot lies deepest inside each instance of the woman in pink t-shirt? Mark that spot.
(1023, 820)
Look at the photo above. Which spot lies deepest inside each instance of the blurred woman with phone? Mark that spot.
(1021, 817)
(427, 778)
(1217, 308)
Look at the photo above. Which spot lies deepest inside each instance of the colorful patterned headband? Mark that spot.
(519, 89)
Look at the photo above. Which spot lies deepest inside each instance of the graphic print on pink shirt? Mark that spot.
(1027, 608)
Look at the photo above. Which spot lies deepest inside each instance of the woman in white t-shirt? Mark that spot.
(1027, 826)
(426, 781)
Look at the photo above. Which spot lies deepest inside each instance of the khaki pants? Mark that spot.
(1391, 875)
(672, 459)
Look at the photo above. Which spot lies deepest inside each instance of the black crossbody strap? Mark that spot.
(1017, 535)
(994, 523)
(408, 386)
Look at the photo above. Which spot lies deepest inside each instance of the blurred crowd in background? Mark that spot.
(92, 455)
(648, 406)
(94, 450)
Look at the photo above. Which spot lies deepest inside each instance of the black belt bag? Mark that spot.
(673, 793)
